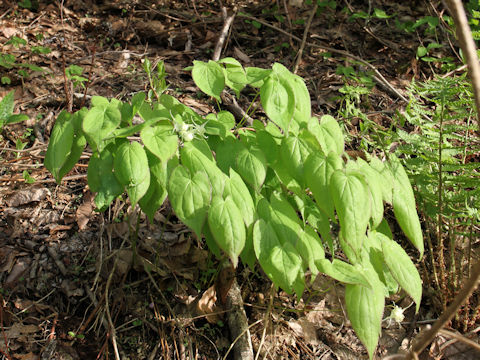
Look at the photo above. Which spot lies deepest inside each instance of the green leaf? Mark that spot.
(16, 118)
(302, 108)
(190, 197)
(404, 205)
(374, 181)
(236, 188)
(137, 101)
(131, 170)
(294, 151)
(278, 100)
(365, 311)
(196, 156)
(318, 172)
(387, 179)
(268, 143)
(282, 217)
(100, 122)
(422, 51)
(235, 76)
(60, 145)
(101, 178)
(352, 202)
(157, 191)
(310, 248)
(161, 143)
(226, 153)
(342, 271)
(209, 78)
(226, 224)
(78, 144)
(402, 268)
(381, 14)
(328, 134)
(256, 76)
(281, 263)
(252, 166)
(6, 107)
(374, 258)
(319, 221)
(99, 101)
(219, 124)
(76, 151)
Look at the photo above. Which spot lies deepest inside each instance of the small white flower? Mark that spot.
(187, 135)
(397, 314)
(180, 126)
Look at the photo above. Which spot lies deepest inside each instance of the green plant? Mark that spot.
(74, 335)
(440, 156)
(74, 74)
(274, 192)
(27, 177)
(6, 111)
(156, 78)
(8, 61)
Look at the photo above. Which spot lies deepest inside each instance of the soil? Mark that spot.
(68, 273)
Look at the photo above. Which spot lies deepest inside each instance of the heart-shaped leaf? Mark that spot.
(282, 217)
(365, 310)
(310, 248)
(278, 100)
(328, 134)
(209, 78)
(100, 122)
(161, 143)
(404, 205)
(318, 172)
(343, 272)
(281, 263)
(227, 227)
(196, 156)
(352, 202)
(101, 178)
(252, 166)
(294, 151)
(236, 188)
(131, 170)
(157, 191)
(374, 181)
(60, 145)
(402, 268)
(190, 197)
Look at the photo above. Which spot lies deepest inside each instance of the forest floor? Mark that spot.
(65, 269)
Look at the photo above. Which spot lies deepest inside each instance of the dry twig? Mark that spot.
(379, 78)
(304, 39)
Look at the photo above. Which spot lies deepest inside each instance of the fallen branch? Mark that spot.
(304, 39)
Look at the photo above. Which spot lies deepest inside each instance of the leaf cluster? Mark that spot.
(269, 193)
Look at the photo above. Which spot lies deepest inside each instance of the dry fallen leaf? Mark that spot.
(207, 305)
(19, 329)
(29, 356)
(27, 196)
(241, 55)
(84, 211)
(304, 329)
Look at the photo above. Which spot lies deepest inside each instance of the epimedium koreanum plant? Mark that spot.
(271, 192)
